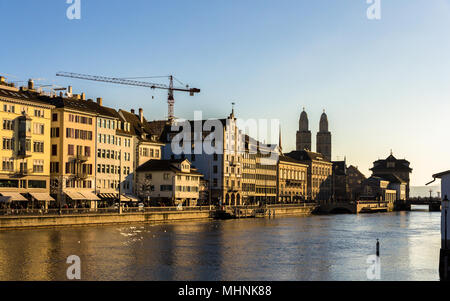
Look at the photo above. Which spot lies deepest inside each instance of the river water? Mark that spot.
(328, 247)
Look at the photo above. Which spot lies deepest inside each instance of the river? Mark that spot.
(326, 247)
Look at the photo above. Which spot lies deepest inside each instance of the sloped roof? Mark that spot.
(305, 155)
(393, 179)
(142, 130)
(164, 165)
(441, 174)
(289, 159)
(400, 165)
(88, 106)
(23, 96)
(354, 169)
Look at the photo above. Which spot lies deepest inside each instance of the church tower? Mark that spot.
(303, 134)
(324, 138)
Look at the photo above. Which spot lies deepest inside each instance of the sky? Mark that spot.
(383, 83)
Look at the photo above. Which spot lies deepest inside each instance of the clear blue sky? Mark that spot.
(384, 84)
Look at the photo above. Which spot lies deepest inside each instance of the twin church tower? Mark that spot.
(323, 136)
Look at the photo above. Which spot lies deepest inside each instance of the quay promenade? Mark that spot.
(38, 218)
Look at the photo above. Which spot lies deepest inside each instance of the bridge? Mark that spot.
(434, 204)
(354, 207)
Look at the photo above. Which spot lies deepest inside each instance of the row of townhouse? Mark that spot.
(243, 171)
(70, 149)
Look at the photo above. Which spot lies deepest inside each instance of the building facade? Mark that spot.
(73, 145)
(355, 179)
(168, 182)
(140, 144)
(393, 166)
(25, 151)
(221, 165)
(319, 180)
(291, 180)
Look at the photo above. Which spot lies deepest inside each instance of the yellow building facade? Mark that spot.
(292, 180)
(73, 146)
(25, 149)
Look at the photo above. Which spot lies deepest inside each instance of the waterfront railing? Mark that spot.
(84, 211)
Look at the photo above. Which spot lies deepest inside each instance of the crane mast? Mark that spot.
(131, 82)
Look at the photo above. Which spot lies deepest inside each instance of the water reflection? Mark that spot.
(294, 248)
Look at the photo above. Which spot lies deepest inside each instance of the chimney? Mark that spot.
(2, 79)
(61, 94)
(83, 96)
(30, 84)
(132, 111)
(141, 115)
(100, 101)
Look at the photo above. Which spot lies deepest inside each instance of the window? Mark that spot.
(37, 184)
(166, 188)
(87, 151)
(215, 157)
(70, 150)
(8, 124)
(9, 108)
(38, 113)
(55, 117)
(8, 164)
(215, 168)
(8, 143)
(54, 167)
(38, 166)
(9, 183)
(54, 150)
(38, 128)
(54, 132)
(38, 147)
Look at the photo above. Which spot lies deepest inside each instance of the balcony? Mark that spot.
(23, 153)
(80, 176)
(80, 158)
(21, 173)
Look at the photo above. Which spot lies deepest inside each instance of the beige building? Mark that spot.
(168, 182)
(115, 156)
(145, 145)
(73, 146)
(319, 179)
(25, 150)
(222, 167)
(292, 180)
(259, 176)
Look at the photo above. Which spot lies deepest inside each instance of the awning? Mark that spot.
(44, 197)
(75, 196)
(107, 196)
(132, 198)
(14, 197)
(89, 196)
